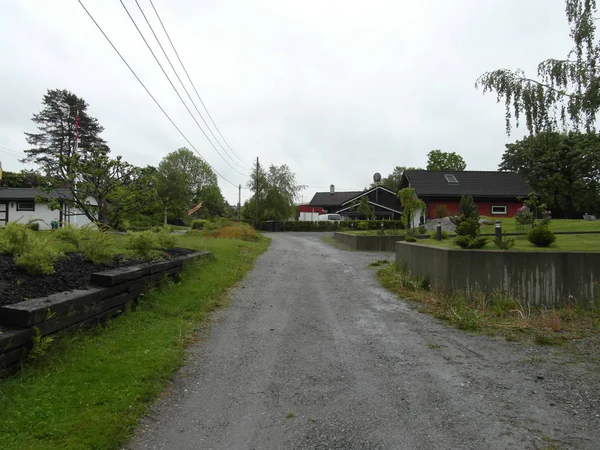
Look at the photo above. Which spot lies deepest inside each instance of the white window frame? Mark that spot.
(503, 213)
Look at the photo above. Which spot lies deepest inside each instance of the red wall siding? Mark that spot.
(484, 207)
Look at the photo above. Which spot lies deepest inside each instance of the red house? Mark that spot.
(494, 193)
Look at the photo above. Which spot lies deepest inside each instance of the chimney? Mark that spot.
(331, 189)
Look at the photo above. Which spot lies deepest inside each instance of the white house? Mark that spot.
(19, 205)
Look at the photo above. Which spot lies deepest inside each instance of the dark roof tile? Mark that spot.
(335, 199)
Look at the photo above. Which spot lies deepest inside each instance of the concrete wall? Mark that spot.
(535, 278)
(370, 243)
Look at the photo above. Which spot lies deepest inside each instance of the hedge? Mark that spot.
(333, 225)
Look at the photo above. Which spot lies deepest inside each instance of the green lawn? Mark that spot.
(564, 243)
(90, 388)
(571, 225)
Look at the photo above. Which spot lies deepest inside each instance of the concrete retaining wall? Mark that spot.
(535, 278)
(110, 293)
(371, 243)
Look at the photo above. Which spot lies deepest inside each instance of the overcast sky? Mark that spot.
(337, 90)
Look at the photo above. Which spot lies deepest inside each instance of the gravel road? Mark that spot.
(312, 353)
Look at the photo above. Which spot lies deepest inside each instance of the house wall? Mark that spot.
(483, 206)
(45, 215)
(535, 278)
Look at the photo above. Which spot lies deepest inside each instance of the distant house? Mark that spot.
(385, 203)
(20, 205)
(494, 193)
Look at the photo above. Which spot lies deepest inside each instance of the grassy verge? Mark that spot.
(495, 314)
(90, 388)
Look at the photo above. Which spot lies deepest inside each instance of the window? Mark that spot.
(499, 210)
(451, 178)
(25, 206)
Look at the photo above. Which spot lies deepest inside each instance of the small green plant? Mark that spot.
(38, 258)
(33, 226)
(468, 242)
(362, 225)
(410, 238)
(142, 243)
(198, 224)
(166, 239)
(541, 236)
(504, 243)
(379, 262)
(91, 241)
(468, 226)
(444, 235)
(15, 238)
(41, 344)
(70, 235)
(441, 211)
(289, 415)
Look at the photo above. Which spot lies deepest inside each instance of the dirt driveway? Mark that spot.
(312, 353)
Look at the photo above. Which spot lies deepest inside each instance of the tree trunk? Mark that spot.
(165, 213)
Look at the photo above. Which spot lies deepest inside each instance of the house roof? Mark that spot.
(335, 199)
(433, 183)
(32, 193)
(367, 192)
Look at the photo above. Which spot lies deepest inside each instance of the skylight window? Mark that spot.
(451, 178)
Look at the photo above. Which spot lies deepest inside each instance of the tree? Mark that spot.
(23, 179)
(439, 160)
(392, 181)
(276, 191)
(65, 130)
(564, 169)
(363, 207)
(74, 157)
(411, 203)
(213, 203)
(567, 91)
(182, 177)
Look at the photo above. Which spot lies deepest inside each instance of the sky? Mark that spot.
(337, 90)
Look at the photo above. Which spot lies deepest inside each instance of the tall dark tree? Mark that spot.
(63, 118)
(566, 91)
(564, 169)
(439, 160)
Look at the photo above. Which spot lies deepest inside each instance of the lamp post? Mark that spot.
(439, 230)
(498, 230)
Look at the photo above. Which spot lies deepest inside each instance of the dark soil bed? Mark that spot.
(71, 272)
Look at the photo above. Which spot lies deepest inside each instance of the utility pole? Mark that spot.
(240, 203)
(256, 193)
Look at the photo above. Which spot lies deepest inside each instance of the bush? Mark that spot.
(444, 235)
(198, 224)
(38, 258)
(441, 211)
(468, 208)
(468, 226)
(166, 239)
(422, 230)
(468, 242)
(15, 238)
(362, 225)
(142, 243)
(504, 243)
(541, 237)
(33, 226)
(93, 243)
(409, 238)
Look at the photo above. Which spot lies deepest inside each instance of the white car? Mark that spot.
(330, 217)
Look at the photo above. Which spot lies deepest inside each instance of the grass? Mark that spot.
(564, 243)
(495, 314)
(90, 388)
(509, 225)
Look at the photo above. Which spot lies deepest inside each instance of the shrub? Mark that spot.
(33, 226)
(468, 208)
(468, 226)
(541, 236)
(444, 235)
(95, 244)
(38, 258)
(15, 238)
(504, 243)
(441, 211)
(468, 242)
(142, 243)
(166, 239)
(524, 216)
(362, 225)
(410, 238)
(422, 230)
(241, 231)
(70, 235)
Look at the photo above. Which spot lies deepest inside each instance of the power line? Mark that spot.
(175, 89)
(183, 86)
(194, 86)
(150, 94)
(9, 151)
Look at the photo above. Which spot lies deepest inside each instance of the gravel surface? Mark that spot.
(312, 353)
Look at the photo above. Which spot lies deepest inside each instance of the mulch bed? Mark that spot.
(71, 272)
